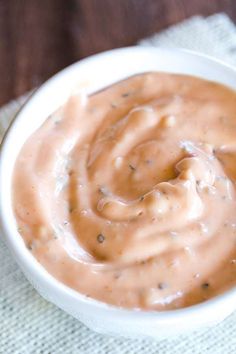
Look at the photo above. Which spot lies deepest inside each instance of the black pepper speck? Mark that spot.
(162, 286)
(100, 238)
(205, 286)
(126, 94)
(132, 167)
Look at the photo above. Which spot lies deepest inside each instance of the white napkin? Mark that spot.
(30, 325)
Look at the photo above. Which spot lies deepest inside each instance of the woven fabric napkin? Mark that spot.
(30, 325)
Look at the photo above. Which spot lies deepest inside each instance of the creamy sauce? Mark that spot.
(129, 196)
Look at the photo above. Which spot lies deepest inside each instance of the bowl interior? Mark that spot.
(88, 76)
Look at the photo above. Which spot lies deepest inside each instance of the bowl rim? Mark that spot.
(17, 247)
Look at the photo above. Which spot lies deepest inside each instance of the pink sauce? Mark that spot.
(130, 197)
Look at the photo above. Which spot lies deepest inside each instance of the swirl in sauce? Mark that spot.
(129, 196)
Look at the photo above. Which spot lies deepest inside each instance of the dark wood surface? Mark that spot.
(40, 37)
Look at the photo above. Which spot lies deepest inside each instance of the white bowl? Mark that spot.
(90, 75)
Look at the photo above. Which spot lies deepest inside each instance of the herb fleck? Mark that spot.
(113, 105)
(100, 238)
(141, 198)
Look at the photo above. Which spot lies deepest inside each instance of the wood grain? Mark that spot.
(38, 38)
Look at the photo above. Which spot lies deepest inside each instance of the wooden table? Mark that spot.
(40, 37)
